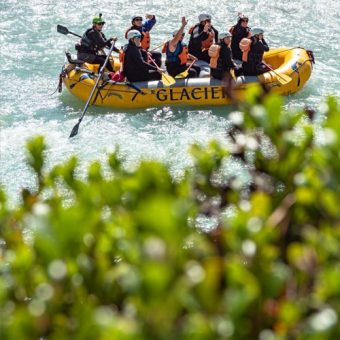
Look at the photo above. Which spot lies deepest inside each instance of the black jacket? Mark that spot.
(255, 56)
(224, 62)
(195, 43)
(257, 49)
(238, 33)
(135, 68)
(93, 41)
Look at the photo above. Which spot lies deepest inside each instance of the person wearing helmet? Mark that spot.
(177, 53)
(134, 66)
(254, 65)
(239, 31)
(92, 43)
(202, 36)
(144, 28)
(221, 61)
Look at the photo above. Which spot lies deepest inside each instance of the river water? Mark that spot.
(32, 53)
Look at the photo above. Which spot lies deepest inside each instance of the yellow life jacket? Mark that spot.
(214, 53)
(244, 45)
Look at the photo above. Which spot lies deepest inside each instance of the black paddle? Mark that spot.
(64, 30)
(100, 74)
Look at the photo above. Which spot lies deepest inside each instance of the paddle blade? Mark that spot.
(167, 79)
(74, 130)
(183, 74)
(283, 78)
(62, 29)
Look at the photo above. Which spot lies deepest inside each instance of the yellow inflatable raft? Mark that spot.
(292, 68)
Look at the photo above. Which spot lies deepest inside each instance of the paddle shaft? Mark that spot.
(77, 35)
(100, 75)
(154, 49)
(153, 61)
(278, 74)
(191, 64)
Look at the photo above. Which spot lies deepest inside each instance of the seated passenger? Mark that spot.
(221, 61)
(202, 36)
(92, 42)
(238, 32)
(253, 50)
(134, 66)
(144, 28)
(177, 54)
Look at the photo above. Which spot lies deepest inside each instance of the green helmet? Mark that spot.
(98, 20)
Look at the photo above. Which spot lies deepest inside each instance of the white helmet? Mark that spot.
(224, 35)
(203, 17)
(256, 31)
(133, 34)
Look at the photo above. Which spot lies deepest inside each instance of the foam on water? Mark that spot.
(32, 56)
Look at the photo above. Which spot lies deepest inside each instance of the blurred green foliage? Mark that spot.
(128, 254)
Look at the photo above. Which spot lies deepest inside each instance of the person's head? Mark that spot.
(98, 22)
(257, 33)
(181, 37)
(134, 37)
(243, 20)
(225, 38)
(204, 18)
(137, 20)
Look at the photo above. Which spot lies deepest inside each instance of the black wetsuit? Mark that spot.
(254, 65)
(238, 33)
(135, 68)
(195, 43)
(91, 43)
(224, 62)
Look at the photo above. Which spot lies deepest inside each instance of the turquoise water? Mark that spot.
(32, 53)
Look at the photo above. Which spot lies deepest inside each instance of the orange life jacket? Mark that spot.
(122, 53)
(145, 40)
(205, 44)
(182, 56)
(214, 53)
(245, 45)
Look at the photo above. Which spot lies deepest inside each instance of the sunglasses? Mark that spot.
(100, 24)
(245, 20)
(208, 20)
(138, 19)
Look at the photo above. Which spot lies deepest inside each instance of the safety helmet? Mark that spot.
(133, 34)
(98, 20)
(136, 17)
(203, 17)
(242, 17)
(224, 35)
(256, 31)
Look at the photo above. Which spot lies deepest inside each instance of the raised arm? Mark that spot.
(177, 36)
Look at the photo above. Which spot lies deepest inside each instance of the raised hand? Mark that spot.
(207, 27)
(184, 21)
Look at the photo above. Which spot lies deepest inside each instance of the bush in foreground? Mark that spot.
(124, 255)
